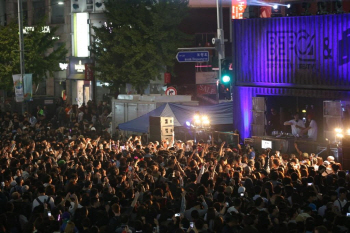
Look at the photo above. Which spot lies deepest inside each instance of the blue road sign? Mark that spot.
(193, 56)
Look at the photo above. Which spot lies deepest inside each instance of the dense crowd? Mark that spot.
(68, 174)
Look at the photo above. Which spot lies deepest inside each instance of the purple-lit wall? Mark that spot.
(308, 51)
(290, 56)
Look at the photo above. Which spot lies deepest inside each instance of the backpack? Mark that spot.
(40, 208)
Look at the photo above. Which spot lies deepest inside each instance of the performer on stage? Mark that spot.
(296, 124)
(311, 128)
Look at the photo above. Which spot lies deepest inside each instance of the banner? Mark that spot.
(206, 89)
(18, 84)
(89, 73)
(28, 87)
(238, 7)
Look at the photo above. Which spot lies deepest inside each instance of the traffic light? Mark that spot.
(225, 79)
(226, 73)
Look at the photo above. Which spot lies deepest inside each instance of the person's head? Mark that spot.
(342, 193)
(296, 116)
(273, 210)
(309, 117)
(321, 229)
(273, 111)
(116, 208)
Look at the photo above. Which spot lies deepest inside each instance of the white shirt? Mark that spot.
(312, 133)
(340, 204)
(43, 199)
(294, 123)
(322, 210)
(232, 209)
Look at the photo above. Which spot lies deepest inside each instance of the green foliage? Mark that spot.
(41, 57)
(139, 40)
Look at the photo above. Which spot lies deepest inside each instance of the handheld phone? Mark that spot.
(3, 184)
(309, 184)
(49, 213)
(177, 215)
(226, 204)
(347, 214)
(59, 217)
(191, 224)
(242, 194)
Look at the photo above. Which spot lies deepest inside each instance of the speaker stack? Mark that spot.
(344, 157)
(161, 128)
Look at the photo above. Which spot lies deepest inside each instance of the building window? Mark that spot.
(38, 11)
(25, 12)
(57, 12)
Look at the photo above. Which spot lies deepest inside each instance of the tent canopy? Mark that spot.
(219, 114)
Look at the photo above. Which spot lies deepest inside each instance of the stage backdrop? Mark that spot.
(307, 52)
(290, 56)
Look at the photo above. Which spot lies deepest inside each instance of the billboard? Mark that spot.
(307, 51)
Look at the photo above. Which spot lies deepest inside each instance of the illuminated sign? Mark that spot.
(238, 7)
(45, 29)
(79, 67)
(81, 35)
(63, 66)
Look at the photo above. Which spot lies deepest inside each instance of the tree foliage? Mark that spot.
(41, 56)
(139, 40)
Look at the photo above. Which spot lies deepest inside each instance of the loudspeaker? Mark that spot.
(344, 158)
(161, 128)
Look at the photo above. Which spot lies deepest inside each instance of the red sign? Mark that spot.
(238, 7)
(89, 73)
(167, 78)
(171, 91)
(206, 89)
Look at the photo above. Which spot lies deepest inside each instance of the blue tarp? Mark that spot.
(218, 114)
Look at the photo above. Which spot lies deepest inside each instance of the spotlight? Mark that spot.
(275, 6)
(339, 135)
(338, 130)
(188, 123)
(196, 117)
(206, 122)
(204, 118)
(60, 3)
(288, 6)
(197, 121)
(348, 131)
(303, 111)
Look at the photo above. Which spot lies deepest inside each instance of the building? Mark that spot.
(57, 13)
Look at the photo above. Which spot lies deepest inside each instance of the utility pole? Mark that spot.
(21, 43)
(219, 42)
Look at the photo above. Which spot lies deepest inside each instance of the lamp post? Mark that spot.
(21, 43)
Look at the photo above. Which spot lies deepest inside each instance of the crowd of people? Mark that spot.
(67, 174)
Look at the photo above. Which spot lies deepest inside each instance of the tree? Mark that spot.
(139, 40)
(41, 56)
